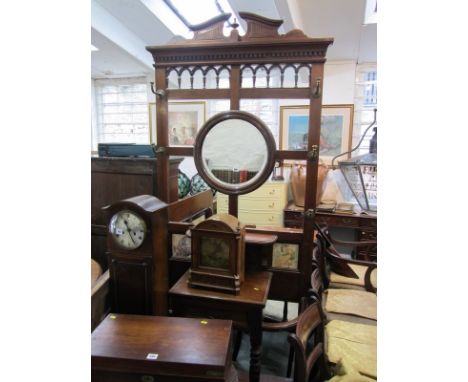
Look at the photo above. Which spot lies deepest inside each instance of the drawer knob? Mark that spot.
(147, 378)
(272, 192)
(271, 218)
(272, 205)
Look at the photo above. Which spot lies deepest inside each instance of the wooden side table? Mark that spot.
(154, 348)
(245, 309)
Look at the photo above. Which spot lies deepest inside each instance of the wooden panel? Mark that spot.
(131, 285)
(108, 188)
(187, 348)
(188, 207)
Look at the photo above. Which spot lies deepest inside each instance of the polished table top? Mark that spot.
(161, 345)
(254, 290)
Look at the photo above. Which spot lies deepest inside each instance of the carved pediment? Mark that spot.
(260, 27)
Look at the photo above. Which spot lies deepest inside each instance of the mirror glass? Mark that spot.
(235, 154)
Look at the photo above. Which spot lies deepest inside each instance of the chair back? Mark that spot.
(307, 342)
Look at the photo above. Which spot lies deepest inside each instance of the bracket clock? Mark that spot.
(137, 242)
(218, 247)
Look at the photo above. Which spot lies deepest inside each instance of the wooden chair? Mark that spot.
(100, 304)
(311, 340)
(340, 272)
(308, 344)
(344, 304)
(308, 324)
(329, 241)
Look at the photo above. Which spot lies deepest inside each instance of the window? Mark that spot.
(365, 103)
(121, 111)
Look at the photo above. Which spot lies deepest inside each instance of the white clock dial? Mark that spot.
(128, 229)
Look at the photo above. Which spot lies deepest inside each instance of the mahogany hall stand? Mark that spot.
(182, 72)
(245, 309)
(154, 348)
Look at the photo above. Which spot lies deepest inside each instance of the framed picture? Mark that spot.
(181, 246)
(335, 131)
(185, 119)
(285, 255)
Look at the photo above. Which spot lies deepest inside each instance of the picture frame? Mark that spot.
(285, 255)
(335, 131)
(185, 119)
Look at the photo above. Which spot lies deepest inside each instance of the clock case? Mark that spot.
(139, 277)
(218, 228)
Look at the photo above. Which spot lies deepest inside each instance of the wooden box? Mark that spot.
(218, 251)
(154, 348)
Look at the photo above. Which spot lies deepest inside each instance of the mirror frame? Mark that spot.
(236, 189)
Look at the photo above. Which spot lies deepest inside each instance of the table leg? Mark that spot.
(254, 318)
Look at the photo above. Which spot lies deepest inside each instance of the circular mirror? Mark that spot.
(234, 152)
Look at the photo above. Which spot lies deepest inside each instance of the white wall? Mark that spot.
(338, 87)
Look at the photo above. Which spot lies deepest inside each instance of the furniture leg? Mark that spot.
(254, 318)
(237, 344)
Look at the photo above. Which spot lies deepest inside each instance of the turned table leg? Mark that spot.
(254, 318)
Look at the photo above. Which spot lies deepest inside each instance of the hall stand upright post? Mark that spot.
(162, 134)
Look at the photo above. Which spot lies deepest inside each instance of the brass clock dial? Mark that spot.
(128, 229)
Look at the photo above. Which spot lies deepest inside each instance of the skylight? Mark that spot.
(184, 12)
(204, 10)
(370, 16)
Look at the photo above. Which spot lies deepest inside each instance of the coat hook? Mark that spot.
(317, 90)
(159, 93)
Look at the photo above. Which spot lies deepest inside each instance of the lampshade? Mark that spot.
(361, 175)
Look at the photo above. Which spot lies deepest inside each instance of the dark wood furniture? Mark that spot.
(100, 302)
(309, 359)
(184, 70)
(245, 309)
(139, 276)
(338, 271)
(114, 179)
(364, 225)
(153, 348)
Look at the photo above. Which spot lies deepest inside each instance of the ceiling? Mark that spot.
(121, 29)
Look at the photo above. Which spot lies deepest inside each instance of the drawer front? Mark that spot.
(247, 203)
(261, 219)
(270, 190)
(337, 221)
(368, 235)
(270, 205)
(222, 203)
(370, 223)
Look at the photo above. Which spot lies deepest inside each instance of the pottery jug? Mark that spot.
(298, 179)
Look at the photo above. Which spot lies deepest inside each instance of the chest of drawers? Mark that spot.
(262, 207)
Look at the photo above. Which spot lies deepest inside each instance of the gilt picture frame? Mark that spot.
(335, 131)
(185, 119)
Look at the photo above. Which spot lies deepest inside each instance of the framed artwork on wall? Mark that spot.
(285, 255)
(335, 131)
(185, 119)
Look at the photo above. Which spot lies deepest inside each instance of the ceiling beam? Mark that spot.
(114, 30)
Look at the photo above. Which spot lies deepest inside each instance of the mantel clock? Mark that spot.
(137, 255)
(218, 247)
